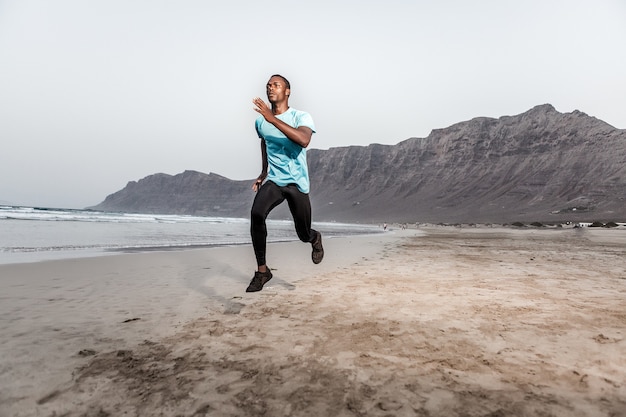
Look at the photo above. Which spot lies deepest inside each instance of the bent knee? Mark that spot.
(257, 216)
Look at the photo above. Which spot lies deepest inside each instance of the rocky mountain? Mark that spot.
(190, 192)
(541, 165)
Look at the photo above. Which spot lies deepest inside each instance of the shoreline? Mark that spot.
(438, 320)
(33, 255)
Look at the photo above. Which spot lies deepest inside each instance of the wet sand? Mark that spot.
(440, 321)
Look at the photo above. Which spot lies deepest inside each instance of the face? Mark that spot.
(276, 90)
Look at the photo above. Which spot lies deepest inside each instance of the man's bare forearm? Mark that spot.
(264, 164)
(301, 135)
(263, 160)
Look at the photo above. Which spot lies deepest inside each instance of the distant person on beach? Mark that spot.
(285, 133)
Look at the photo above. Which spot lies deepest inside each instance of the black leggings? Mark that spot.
(269, 196)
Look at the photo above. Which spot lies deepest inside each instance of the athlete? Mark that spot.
(285, 133)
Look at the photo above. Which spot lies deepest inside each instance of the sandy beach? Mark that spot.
(438, 321)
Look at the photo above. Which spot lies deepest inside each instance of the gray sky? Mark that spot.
(94, 94)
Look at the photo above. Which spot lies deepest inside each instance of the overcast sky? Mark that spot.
(96, 93)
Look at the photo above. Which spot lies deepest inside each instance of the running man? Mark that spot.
(285, 133)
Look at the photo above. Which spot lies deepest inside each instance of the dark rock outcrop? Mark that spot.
(190, 192)
(541, 165)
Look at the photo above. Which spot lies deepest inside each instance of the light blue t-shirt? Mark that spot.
(286, 159)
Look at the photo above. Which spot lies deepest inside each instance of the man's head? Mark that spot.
(277, 88)
(286, 81)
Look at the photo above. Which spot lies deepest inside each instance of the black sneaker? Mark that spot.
(259, 280)
(318, 250)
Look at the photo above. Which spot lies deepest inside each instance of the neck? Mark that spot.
(279, 108)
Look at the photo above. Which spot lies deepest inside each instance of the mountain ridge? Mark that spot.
(540, 165)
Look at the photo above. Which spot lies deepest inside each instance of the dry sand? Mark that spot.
(434, 322)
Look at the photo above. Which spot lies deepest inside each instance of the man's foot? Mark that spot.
(318, 250)
(259, 280)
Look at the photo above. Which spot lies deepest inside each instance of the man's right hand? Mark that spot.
(257, 185)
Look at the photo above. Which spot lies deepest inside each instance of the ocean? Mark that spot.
(32, 234)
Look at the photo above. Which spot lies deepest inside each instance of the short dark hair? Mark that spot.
(284, 79)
